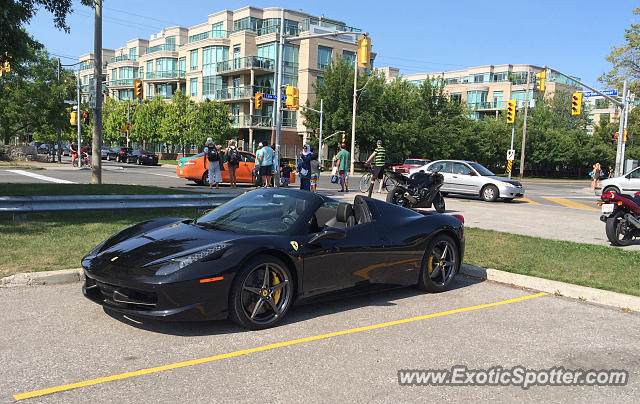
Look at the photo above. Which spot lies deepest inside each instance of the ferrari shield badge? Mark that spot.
(294, 244)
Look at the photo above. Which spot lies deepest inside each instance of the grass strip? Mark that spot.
(589, 265)
(171, 162)
(36, 189)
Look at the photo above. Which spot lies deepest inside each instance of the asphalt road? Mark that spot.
(52, 336)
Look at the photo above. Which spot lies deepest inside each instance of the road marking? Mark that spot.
(164, 175)
(570, 204)
(127, 375)
(41, 177)
(527, 200)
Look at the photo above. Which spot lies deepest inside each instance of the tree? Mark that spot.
(114, 118)
(147, 120)
(178, 120)
(212, 120)
(625, 60)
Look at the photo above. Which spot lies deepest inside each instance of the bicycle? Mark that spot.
(365, 181)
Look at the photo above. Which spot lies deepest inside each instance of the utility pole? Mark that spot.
(524, 127)
(280, 65)
(619, 149)
(128, 120)
(353, 118)
(79, 124)
(59, 129)
(96, 163)
(320, 136)
(622, 137)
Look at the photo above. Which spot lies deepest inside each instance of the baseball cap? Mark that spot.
(379, 142)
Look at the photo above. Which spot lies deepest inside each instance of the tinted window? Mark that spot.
(249, 158)
(441, 167)
(481, 169)
(635, 173)
(264, 211)
(463, 169)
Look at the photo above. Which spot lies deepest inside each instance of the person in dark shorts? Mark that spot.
(285, 170)
(378, 165)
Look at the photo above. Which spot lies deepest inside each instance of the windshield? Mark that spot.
(414, 162)
(481, 169)
(263, 211)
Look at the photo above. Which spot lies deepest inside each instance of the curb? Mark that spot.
(582, 293)
(42, 278)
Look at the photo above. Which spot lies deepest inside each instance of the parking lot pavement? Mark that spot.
(48, 345)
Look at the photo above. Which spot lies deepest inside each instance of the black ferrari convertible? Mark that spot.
(252, 257)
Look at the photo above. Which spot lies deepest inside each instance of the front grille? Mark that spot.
(120, 296)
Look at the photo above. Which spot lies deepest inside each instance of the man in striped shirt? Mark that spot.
(378, 166)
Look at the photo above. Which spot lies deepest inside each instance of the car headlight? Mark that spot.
(175, 264)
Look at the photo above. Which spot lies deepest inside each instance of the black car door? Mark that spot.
(331, 265)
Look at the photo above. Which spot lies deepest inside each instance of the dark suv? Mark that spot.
(119, 154)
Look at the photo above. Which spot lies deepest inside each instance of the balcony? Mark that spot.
(217, 33)
(245, 63)
(246, 121)
(163, 47)
(487, 105)
(237, 93)
(123, 57)
(164, 75)
(122, 83)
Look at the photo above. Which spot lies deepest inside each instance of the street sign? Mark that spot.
(273, 97)
(511, 154)
(605, 92)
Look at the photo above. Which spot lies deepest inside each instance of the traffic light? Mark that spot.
(293, 100)
(343, 138)
(576, 103)
(511, 111)
(74, 118)
(137, 89)
(85, 118)
(541, 79)
(364, 51)
(258, 101)
(624, 136)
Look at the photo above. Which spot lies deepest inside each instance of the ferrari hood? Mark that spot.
(163, 242)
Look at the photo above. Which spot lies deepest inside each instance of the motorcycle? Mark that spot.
(621, 213)
(417, 190)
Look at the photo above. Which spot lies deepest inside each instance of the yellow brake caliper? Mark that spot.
(430, 264)
(276, 280)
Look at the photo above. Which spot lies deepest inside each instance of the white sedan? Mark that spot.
(470, 178)
(627, 184)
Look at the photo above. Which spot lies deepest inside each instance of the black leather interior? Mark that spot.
(345, 214)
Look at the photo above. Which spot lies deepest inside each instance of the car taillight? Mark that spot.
(144, 155)
(459, 217)
(121, 152)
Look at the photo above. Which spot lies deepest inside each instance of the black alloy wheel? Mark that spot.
(440, 264)
(261, 294)
(438, 203)
(396, 197)
(619, 232)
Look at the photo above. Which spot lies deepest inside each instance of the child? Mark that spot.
(315, 172)
(285, 172)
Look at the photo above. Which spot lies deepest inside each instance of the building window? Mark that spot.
(324, 57)
(149, 67)
(211, 56)
(348, 56)
(497, 99)
(170, 40)
(182, 64)
(193, 83)
(133, 53)
(217, 30)
(499, 77)
(247, 23)
(114, 74)
(477, 99)
(456, 97)
(193, 59)
(150, 91)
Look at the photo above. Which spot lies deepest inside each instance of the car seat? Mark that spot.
(345, 215)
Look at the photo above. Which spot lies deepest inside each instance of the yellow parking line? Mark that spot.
(192, 362)
(527, 200)
(570, 204)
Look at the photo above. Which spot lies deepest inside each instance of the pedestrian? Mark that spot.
(595, 174)
(73, 151)
(342, 162)
(256, 171)
(315, 172)
(610, 171)
(304, 167)
(212, 155)
(378, 166)
(266, 165)
(285, 171)
(233, 161)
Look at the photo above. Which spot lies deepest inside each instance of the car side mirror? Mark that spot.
(472, 174)
(328, 233)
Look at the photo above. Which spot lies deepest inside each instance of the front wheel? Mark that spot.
(440, 264)
(261, 293)
(438, 203)
(490, 193)
(617, 229)
(396, 197)
(365, 182)
(205, 178)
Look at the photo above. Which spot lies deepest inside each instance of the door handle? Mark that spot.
(454, 176)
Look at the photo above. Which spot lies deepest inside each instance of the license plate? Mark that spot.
(607, 207)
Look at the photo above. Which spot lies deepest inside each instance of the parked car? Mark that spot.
(142, 157)
(471, 178)
(104, 152)
(196, 169)
(44, 148)
(626, 184)
(119, 154)
(409, 164)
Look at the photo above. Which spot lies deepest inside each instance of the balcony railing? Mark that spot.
(260, 121)
(170, 74)
(122, 82)
(487, 105)
(235, 93)
(216, 33)
(163, 47)
(123, 57)
(247, 63)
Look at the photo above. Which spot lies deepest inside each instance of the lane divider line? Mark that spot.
(570, 204)
(41, 177)
(127, 375)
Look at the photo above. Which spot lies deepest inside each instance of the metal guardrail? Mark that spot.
(28, 204)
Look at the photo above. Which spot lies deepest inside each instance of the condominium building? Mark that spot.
(229, 58)
(486, 89)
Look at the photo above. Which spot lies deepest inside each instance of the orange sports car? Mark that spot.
(195, 168)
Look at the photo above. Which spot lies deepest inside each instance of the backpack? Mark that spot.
(232, 156)
(213, 154)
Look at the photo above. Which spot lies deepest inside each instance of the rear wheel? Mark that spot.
(365, 181)
(205, 178)
(261, 293)
(440, 264)
(618, 231)
(489, 193)
(396, 197)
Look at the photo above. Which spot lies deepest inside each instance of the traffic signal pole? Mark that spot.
(79, 124)
(59, 129)
(96, 159)
(524, 128)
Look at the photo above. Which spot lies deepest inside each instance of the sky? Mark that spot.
(416, 36)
